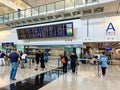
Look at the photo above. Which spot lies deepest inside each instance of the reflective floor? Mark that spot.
(86, 78)
(34, 82)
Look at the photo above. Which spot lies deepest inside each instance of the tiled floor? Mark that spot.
(22, 73)
(85, 79)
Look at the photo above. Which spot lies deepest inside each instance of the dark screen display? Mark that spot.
(58, 30)
(51, 31)
(36, 32)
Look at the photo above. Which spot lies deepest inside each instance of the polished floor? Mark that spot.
(86, 78)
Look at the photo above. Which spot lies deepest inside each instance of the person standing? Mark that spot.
(42, 60)
(14, 59)
(65, 62)
(2, 55)
(103, 61)
(37, 57)
(23, 58)
(73, 58)
(87, 57)
(46, 57)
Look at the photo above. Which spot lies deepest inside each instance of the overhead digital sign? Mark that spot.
(9, 45)
(58, 30)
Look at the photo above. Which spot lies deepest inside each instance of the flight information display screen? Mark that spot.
(8, 45)
(58, 30)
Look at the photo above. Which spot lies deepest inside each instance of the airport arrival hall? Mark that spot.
(59, 44)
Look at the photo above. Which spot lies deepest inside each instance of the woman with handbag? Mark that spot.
(64, 60)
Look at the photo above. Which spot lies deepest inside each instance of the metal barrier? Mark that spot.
(111, 62)
(56, 60)
(30, 59)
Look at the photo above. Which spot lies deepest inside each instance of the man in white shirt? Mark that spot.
(23, 57)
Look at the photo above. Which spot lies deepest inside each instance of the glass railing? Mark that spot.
(49, 8)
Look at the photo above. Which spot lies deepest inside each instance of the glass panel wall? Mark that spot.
(15, 15)
(10, 16)
(1, 18)
(6, 18)
(79, 3)
(42, 9)
(69, 4)
(22, 14)
(28, 12)
(35, 11)
(50, 7)
(60, 5)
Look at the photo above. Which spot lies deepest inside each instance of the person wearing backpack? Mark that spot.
(103, 63)
(73, 58)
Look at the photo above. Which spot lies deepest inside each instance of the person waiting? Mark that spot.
(64, 59)
(73, 58)
(103, 62)
(37, 57)
(2, 61)
(23, 58)
(87, 57)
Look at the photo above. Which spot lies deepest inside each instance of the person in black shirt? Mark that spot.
(73, 58)
(37, 57)
(14, 58)
(42, 60)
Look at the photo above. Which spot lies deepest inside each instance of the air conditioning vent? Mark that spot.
(67, 15)
(23, 22)
(42, 19)
(98, 10)
(76, 13)
(58, 16)
(50, 17)
(86, 12)
(35, 20)
(29, 21)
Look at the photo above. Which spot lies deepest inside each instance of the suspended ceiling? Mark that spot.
(5, 9)
(34, 3)
(7, 6)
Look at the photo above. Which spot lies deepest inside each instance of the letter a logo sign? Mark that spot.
(110, 29)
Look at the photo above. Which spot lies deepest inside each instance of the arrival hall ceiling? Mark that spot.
(34, 3)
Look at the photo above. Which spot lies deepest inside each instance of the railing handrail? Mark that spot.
(3, 17)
